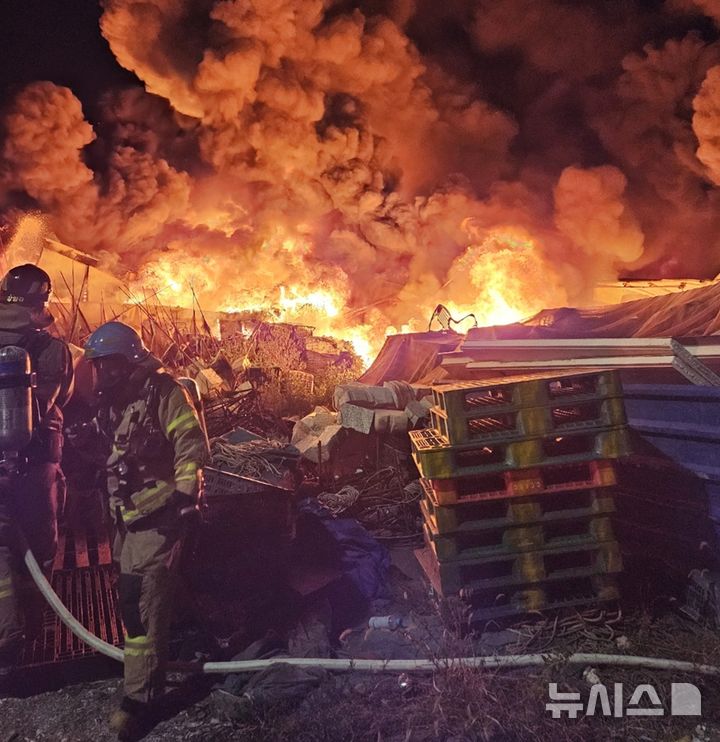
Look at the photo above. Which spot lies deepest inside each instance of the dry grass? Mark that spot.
(333, 376)
(459, 703)
(465, 704)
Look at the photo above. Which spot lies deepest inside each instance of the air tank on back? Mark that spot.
(16, 399)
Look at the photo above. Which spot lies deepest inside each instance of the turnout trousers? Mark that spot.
(28, 502)
(148, 552)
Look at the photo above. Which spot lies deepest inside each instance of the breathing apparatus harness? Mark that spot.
(20, 422)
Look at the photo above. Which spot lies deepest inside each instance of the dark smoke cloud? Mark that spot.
(400, 151)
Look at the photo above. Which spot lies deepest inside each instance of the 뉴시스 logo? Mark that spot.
(685, 700)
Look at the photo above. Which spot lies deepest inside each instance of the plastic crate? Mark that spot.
(437, 459)
(488, 425)
(550, 596)
(529, 390)
(702, 603)
(251, 503)
(486, 514)
(522, 482)
(533, 537)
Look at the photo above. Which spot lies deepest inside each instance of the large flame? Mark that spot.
(339, 165)
(504, 278)
(500, 280)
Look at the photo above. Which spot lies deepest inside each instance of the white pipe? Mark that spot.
(422, 665)
(430, 665)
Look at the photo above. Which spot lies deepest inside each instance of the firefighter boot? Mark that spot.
(9, 656)
(131, 721)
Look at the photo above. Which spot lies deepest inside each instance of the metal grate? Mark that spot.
(91, 597)
(78, 549)
(83, 579)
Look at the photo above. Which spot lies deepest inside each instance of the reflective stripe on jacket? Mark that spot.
(159, 438)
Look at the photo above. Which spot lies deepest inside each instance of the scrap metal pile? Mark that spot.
(534, 492)
(359, 456)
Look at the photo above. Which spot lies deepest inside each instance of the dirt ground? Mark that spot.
(452, 703)
(456, 705)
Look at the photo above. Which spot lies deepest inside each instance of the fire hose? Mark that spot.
(418, 665)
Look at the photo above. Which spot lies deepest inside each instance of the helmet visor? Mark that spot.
(109, 372)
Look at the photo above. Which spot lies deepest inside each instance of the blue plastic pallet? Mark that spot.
(673, 403)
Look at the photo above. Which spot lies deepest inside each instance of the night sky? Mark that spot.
(60, 41)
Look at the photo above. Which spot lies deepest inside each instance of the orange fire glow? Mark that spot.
(501, 279)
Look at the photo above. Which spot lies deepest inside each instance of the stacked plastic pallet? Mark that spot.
(517, 474)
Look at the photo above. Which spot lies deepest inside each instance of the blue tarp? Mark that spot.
(365, 561)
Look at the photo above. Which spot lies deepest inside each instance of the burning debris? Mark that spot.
(332, 166)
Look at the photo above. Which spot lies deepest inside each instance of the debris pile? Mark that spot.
(359, 457)
(394, 407)
(382, 503)
(247, 366)
(244, 454)
(316, 436)
(381, 415)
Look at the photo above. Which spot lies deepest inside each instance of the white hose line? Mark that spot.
(423, 665)
(430, 665)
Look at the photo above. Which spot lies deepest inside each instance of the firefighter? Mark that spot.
(29, 496)
(154, 472)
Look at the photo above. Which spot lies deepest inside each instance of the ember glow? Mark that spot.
(349, 166)
(503, 276)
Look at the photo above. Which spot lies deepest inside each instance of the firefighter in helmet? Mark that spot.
(29, 496)
(157, 450)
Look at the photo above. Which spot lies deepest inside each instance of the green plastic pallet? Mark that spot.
(542, 389)
(516, 511)
(505, 570)
(487, 425)
(437, 459)
(550, 596)
(537, 536)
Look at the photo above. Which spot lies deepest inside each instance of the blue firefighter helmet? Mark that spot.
(116, 339)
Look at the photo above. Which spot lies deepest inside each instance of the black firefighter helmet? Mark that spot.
(26, 285)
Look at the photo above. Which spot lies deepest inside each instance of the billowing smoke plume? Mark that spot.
(710, 8)
(706, 124)
(590, 211)
(366, 160)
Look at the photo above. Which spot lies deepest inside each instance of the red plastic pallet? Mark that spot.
(522, 482)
